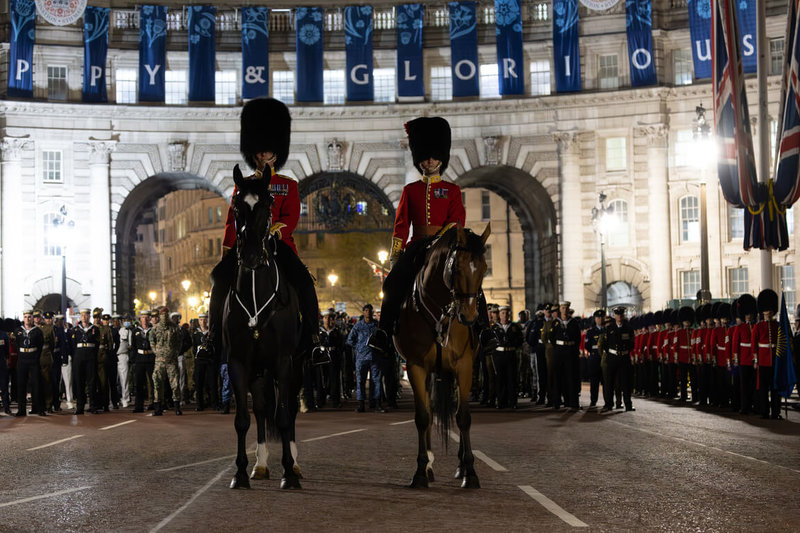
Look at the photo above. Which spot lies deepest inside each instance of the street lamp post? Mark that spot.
(152, 295)
(383, 255)
(62, 226)
(600, 221)
(186, 284)
(333, 278)
(702, 133)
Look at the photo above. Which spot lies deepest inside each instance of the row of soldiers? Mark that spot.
(95, 359)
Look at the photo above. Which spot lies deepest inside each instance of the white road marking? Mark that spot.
(552, 506)
(455, 436)
(51, 495)
(54, 443)
(196, 495)
(491, 463)
(196, 464)
(403, 422)
(334, 435)
(700, 444)
(116, 425)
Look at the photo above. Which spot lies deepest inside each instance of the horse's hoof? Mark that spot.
(419, 482)
(460, 473)
(240, 482)
(429, 474)
(470, 482)
(290, 483)
(259, 472)
(297, 472)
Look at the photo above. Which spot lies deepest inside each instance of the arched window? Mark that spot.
(690, 219)
(618, 231)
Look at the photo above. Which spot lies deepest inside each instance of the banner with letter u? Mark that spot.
(700, 32)
(202, 29)
(464, 49)
(95, 50)
(309, 43)
(255, 52)
(639, 24)
(358, 49)
(152, 53)
(20, 68)
(508, 24)
(746, 17)
(566, 53)
(410, 76)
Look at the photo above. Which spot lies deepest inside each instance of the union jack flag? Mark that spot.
(787, 175)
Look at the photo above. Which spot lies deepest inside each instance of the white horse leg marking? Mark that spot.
(262, 453)
(296, 467)
(430, 459)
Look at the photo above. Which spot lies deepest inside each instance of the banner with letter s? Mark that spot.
(95, 50)
(700, 32)
(566, 53)
(202, 28)
(255, 52)
(464, 49)
(508, 27)
(152, 53)
(639, 22)
(358, 49)
(20, 58)
(746, 17)
(309, 46)
(410, 75)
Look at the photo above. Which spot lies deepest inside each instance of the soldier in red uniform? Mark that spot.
(721, 343)
(683, 349)
(427, 207)
(264, 143)
(743, 351)
(765, 343)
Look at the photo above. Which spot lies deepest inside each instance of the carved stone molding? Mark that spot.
(492, 148)
(655, 133)
(177, 156)
(100, 151)
(565, 139)
(335, 155)
(12, 147)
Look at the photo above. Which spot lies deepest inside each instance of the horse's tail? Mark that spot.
(443, 404)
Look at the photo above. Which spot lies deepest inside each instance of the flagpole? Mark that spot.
(763, 126)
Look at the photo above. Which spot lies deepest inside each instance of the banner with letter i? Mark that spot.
(255, 52)
(508, 27)
(640, 42)
(358, 49)
(95, 50)
(309, 46)
(152, 53)
(566, 53)
(410, 75)
(464, 49)
(20, 57)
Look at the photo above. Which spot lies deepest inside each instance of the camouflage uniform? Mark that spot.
(166, 338)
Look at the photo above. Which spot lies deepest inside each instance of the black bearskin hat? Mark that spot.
(658, 318)
(768, 301)
(715, 310)
(266, 127)
(734, 310)
(746, 306)
(724, 311)
(429, 137)
(686, 314)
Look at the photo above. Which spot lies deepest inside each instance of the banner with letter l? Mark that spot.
(410, 75)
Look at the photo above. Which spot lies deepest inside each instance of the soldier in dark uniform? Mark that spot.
(5, 345)
(46, 358)
(533, 336)
(594, 369)
(143, 359)
(205, 368)
(331, 343)
(29, 342)
(565, 336)
(85, 339)
(111, 391)
(509, 339)
(60, 357)
(619, 340)
(103, 353)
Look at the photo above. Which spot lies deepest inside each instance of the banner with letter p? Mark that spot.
(95, 50)
(639, 24)
(255, 52)
(20, 57)
(358, 49)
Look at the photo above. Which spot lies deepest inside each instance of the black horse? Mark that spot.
(261, 333)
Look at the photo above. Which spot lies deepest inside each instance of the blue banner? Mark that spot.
(20, 57)
(95, 50)
(309, 42)
(464, 49)
(746, 17)
(566, 54)
(255, 52)
(700, 32)
(358, 49)
(410, 76)
(201, 53)
(152, 53)
(510, 65)
(639, 24)
(785, 376)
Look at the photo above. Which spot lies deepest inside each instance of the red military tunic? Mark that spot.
(426, 206)
(683, 345)
(285, 211)
(721, 346)
(663, 351)
(653, 349)
(743, 344)
(765, 341)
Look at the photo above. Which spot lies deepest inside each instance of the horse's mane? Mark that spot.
(474, 244)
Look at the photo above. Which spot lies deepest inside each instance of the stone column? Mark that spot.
(571, 234)
(100, 200)
(658, 216)
(12, 228)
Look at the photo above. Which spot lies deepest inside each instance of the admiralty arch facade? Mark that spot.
(548, 155)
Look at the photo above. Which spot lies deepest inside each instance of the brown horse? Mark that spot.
(435, 336)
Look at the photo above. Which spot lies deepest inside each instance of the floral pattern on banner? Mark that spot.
(409, 23)
(507, 13)
(255, 21)
(95, 23)
(462, 19)
(153, 23)
(357, 24)
(201, 23)
(23, 13)
(307, 22)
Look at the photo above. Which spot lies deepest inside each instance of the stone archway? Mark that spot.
(534, 207)
(345, 180)
(48, 291)
(634, 294)
(137, 202)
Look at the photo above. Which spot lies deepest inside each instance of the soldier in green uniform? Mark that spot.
(166, 338)
(45, 323)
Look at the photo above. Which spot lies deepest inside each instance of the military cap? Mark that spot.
(175, 314)
(144, 312)
(715, 310)
(686, 314)
(724, 311)
(97, 311)
(85, 310)
(153, 312)
(28, 312)
(106, 316)
(115, 317)
(329, 312)
(59, 316)
(619, 310)
(700, 313)
(599, 313)
(429, 137)
(202, 315)
(746, 305)
(265, 127)
(163, 310)
(504, 308)
(768, 301)
(658, 317)
(48, 314)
